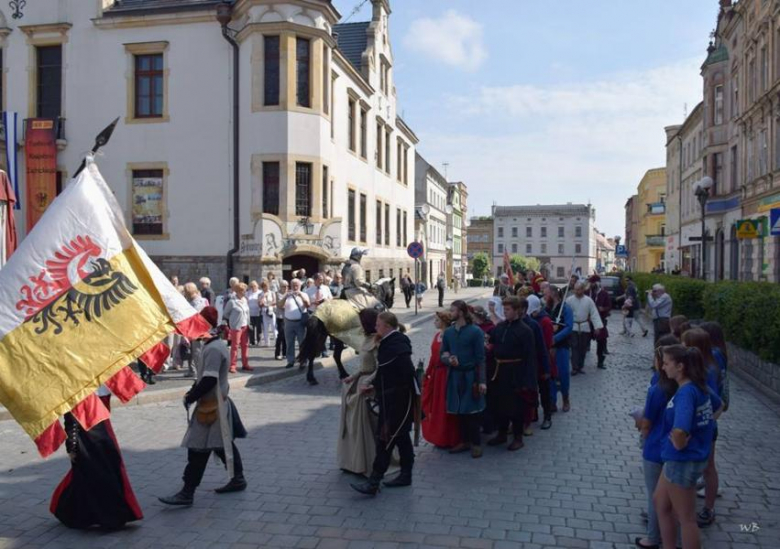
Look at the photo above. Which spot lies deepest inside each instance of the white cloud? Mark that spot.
(590, 141)
(452, 39)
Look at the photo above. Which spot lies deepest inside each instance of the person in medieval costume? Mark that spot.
(214, 424)
(356, 290)
(96, 491)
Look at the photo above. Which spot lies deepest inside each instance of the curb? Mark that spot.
(166, 395)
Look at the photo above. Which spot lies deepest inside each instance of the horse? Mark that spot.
(317, 331)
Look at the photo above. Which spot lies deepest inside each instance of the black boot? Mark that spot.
(236, 484)
(601, 364)
(182, 497)
(369, 487)
(404, 478)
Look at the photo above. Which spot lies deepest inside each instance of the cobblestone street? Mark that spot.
(579, 484)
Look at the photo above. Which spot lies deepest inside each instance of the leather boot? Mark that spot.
(236, 484)
(497, 440)
(566, 404)
(600, 365)
(517, 443)
(404, 478)
(370, 487)
(185, 496)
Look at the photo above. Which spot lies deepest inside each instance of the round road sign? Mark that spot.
(415, 250)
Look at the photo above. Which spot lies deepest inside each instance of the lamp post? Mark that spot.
(425, 210)
(448, 209)
(617, 243)
(702, 192)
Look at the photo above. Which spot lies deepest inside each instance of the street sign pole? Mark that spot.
(416, 251)
(416, 282)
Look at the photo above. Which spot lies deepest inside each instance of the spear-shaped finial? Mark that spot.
(100, 141)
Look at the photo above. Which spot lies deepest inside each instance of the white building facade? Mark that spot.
(431, 228)
(561, 237)
(324, 162)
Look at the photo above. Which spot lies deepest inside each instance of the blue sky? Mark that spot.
(546, 102)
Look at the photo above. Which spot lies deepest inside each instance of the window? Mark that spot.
(733, 164)
(325, 78)
(398, 227)
(501, 232)
(149, 86)
(325, 185)
(529, 232)
(363, 217)
(351, 215)
(378, 222)
(514, 232)
(406, 232)
(544, 232)
(544, 248)
(379, 149)
(514, 248)
(406, 164)
(578, 231)
(578, 248)
(351, 122)
(560, 232)
(49, 65)
(735, 95)
(764, 69)
(500, 248)
(363, 133)
(718, 105)
(529, 249)
(387, 224)
(560, 249)
(333, 107)
(271, 70)
(303, 189)
(302, 61)
(762, 153)
(384, 76)
(399, 161)
(559, 272)
(387, 150)
(752, 80)
(717, 172)
(148, 202)
(271, 188)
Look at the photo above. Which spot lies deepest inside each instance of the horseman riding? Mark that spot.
(341, 318)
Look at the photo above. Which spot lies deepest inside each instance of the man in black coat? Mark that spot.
(395, 387)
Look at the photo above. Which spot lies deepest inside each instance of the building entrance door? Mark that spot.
(294, 263)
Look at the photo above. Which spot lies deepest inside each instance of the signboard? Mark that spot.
(41, 161)
(774, 222)
(621, 251)
(748, 228)
(148, 205)
(415, 250)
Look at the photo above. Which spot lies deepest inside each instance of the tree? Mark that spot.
(480, 265)
(521, 264)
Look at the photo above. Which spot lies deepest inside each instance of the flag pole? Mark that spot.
(100, 141)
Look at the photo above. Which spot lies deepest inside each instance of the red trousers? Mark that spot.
(239, 337)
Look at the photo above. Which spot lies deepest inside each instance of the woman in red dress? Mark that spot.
(438, 427)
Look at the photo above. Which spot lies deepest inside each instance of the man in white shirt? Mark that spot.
(585, 313)
(318, 294)
(660, 303)
(294, 303)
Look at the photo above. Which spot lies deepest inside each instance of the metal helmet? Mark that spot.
(358, 253)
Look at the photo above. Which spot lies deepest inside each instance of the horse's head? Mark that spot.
(385, 291)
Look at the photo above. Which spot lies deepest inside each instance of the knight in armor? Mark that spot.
(356, 290)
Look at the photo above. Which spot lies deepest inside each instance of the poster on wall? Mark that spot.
(41, 163)
(147, 205)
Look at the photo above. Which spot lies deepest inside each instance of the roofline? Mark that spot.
(404, 127)
(124, 12)
(345, 64)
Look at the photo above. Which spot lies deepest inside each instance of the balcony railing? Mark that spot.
(655, 240)
(656, 208)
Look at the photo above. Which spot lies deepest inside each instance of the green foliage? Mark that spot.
(478, 283)
(748, 311)
(480, 265)
(522, 264)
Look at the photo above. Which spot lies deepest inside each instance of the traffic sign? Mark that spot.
(774, 225)
(621, 251)
(747, 228)
(415, 250)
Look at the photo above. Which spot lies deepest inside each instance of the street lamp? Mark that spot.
(425, 209)
(617, 243)
(702, 192)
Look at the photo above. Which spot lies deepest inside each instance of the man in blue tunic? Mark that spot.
(463, 351)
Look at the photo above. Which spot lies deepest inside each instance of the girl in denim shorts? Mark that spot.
(689, 421)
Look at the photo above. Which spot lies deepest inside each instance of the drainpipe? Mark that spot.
(224, 15)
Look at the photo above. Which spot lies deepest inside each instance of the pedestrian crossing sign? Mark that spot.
(774, 222)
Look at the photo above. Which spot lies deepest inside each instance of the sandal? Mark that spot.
(638, 543)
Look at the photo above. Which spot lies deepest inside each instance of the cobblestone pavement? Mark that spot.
(577, 485)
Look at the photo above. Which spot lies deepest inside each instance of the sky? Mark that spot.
(546, 102)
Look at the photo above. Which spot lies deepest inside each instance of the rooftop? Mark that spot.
(561, 210)
(352, 41)
(127, 7)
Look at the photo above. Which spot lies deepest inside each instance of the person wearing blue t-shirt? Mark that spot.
(651, 425)
(701, 339)
(688, 419)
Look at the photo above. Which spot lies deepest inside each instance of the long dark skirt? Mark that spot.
(96, 490)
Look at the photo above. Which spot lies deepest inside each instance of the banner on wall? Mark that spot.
(9, 123)
(41, 163)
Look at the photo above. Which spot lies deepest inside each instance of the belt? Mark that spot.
(499, 362)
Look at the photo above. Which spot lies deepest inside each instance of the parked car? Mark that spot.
(613, 287)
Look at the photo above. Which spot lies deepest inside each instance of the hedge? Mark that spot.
(748, 311)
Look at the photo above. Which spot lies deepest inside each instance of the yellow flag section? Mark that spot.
(45, 373)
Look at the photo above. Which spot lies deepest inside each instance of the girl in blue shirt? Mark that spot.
(651, 425)
(689, 419)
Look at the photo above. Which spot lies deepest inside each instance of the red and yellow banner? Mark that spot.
(41, 162)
